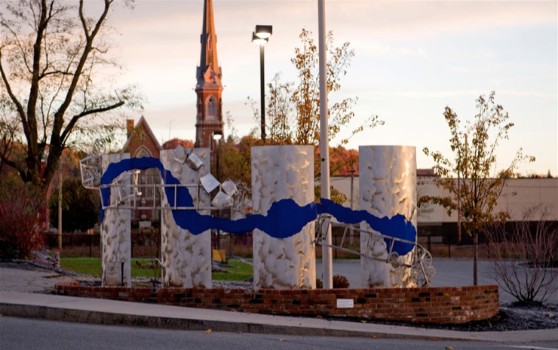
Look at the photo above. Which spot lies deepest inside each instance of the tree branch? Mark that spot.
(79, 116)
(13, 97)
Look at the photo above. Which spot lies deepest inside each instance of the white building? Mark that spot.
(518, 195)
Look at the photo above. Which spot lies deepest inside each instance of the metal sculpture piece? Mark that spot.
(284, 212)
(279, 173)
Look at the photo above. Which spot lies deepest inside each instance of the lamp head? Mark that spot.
(263, 31)
(217, 135)
(257, 40)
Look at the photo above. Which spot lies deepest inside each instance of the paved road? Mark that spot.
(16, 333)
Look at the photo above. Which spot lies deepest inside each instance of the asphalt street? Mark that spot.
(17, 333)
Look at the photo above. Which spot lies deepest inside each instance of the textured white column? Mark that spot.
(186, 258)
(116, 238)
(280, 172)
(387, 181)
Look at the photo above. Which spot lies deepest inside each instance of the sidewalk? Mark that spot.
(20, 296)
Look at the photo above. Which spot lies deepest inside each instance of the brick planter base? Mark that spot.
(448, 305)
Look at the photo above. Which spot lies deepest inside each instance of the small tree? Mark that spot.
(524, 253)
(293, 107)
(478, 186)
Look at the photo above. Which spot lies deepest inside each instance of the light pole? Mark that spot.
(216, 136)
(261, 36)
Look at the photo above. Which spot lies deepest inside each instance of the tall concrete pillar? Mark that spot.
(387, 181)
(116, 238)
(280, 172)
(185, 257)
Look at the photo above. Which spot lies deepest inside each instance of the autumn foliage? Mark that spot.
(20, 228)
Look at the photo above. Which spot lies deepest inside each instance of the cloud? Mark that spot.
(413, 19)
(386, 50)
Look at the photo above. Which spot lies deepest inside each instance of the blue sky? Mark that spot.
(412, 59)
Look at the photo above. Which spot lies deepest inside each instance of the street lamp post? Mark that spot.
(261, 36)
(216, 138)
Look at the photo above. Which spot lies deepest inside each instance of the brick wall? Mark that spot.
(418, 305)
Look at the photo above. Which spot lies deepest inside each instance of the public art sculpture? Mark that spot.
(282, 222)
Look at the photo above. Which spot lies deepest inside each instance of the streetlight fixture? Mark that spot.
(261, 36)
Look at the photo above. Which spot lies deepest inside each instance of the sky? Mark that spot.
(412, 59)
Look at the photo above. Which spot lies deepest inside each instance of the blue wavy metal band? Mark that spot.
(285, 218)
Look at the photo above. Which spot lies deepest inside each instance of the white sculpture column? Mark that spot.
(186, 258)
(280, 172)
(387, 181)
(116, 237)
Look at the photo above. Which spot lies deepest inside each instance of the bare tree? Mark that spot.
(52, 60)
(524, 253)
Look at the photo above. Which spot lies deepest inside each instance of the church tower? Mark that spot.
(209, 118)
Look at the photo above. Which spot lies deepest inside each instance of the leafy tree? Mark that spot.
(172, 144)
(80, 206)
(234, 159)
(478, 186)
(335, 195)
(293, 107)
(52, 57)
(343, 161)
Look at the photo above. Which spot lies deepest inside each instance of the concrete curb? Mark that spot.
(105, 318)
(110, 312)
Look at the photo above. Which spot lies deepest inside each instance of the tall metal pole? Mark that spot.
(324, 146)
(352, 199)
(262, 91)
(217, 146)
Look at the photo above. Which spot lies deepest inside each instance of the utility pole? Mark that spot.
(324, 147)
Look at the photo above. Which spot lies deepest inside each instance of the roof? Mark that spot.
(142, 124)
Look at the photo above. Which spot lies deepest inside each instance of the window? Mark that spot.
(211, 108)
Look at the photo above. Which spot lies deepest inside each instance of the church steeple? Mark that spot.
(209, 87)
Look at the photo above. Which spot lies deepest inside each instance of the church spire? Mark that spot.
(209, 117)
(208, 38)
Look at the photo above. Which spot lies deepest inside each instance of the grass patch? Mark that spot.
(239, 271)
(85, 266)
(143, 267)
